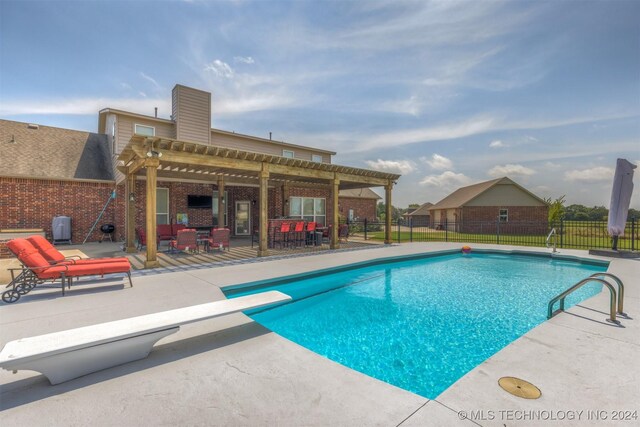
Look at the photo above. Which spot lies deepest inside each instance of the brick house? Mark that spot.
(483, 207)
(358, 204)
(420, 217)
(164, 169)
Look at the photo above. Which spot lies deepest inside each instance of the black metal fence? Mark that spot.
(568, 234)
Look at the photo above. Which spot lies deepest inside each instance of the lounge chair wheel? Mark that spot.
(10, 296)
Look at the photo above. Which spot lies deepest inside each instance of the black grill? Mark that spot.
(108, 228)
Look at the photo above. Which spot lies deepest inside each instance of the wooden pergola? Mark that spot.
(156, 157)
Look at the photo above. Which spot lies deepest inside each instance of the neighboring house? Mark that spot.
(483, 207)
(358, 204)
(420, 217)
(47, 171)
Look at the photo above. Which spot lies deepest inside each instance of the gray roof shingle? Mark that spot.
(53, 153)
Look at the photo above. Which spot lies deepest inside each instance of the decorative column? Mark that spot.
(221, 202)
(335, 191)
(130, 212)
(151, 165)
(387, 219)
(263, 228)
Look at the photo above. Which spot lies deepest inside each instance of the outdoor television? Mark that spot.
(199, 202)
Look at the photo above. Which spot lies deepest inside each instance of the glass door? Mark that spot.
(243, 218)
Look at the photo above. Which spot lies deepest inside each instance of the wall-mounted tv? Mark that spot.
(199, 202)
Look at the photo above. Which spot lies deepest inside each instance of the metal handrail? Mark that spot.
(620, 288)
(563, 295)
(555, 240)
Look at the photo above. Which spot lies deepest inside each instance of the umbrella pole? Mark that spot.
(615, 243)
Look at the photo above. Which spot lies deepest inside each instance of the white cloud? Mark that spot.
(244, 59)
(220, 69)
(446, 180)
(412, 106)
(599, 173)
(142, 94)
(497, 144)
(510, 169)
(150, 79)
(438, 162)
(401, 167)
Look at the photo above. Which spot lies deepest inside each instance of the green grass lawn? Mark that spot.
(572, 238)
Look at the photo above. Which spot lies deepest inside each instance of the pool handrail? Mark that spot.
(620, 288)
(563, 295)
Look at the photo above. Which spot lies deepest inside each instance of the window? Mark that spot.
(308, 209)
(162, 206)
(145, 130)
(316, 158)
(215, 208)
(288, 153)
(504, 215)
(113, 136)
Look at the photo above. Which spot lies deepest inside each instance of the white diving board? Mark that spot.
(65, 355)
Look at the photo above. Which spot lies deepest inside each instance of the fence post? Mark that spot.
(365, 229)
(498, 231)
(411, 229)
(398, 222)
(561, 231)
(446, 230)
(633, 233)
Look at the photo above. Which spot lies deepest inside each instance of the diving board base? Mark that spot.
(73, 364)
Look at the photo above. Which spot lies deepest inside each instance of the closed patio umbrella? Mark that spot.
(620, 199)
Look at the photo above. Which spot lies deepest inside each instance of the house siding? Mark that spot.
(191, 110)
(125, 126)
(240, 142)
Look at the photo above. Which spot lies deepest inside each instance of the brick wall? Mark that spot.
(362, 208)
(32, 203)
(522, 219)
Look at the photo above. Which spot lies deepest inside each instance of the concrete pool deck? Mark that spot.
(232, 371)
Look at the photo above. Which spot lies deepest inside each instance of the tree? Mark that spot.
(556, 209)
(396, 213)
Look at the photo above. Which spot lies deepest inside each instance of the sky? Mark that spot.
(446, 93)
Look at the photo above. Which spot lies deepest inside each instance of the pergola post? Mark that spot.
(151, 165)
(335, 190)
(130, 212)
(263, 228)
(221, 202)
(387, 219)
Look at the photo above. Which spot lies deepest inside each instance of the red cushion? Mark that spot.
(48, 251)
(55, 271)
(26, 253)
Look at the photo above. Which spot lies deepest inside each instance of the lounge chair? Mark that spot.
(51, 254)
(36, 270)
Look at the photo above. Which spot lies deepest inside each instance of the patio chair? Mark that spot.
(187, 240)
(298, 234)
(36, 269)
(53, 256)
(282, 234)
(310, 233)
(165, 232)
(326, 234)
(219, 238)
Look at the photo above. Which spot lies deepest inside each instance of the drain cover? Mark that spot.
(519, 388)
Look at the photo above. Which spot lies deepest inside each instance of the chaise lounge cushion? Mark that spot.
(53, 256)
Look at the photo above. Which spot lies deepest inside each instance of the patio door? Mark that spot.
(243, 218)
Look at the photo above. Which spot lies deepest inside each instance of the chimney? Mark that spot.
(156, 114)
(191, 110)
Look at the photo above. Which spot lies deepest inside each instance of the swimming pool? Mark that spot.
(421, 324)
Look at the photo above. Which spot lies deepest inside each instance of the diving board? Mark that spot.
(65, 355)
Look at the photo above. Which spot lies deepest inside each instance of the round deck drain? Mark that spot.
(519, 388)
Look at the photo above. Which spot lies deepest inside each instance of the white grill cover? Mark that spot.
(620, 197)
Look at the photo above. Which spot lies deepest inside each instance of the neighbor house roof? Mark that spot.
(359, 193)
(464, 195)
(422, 210)
(37, 151)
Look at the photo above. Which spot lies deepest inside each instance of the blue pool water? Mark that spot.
(422, 324)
